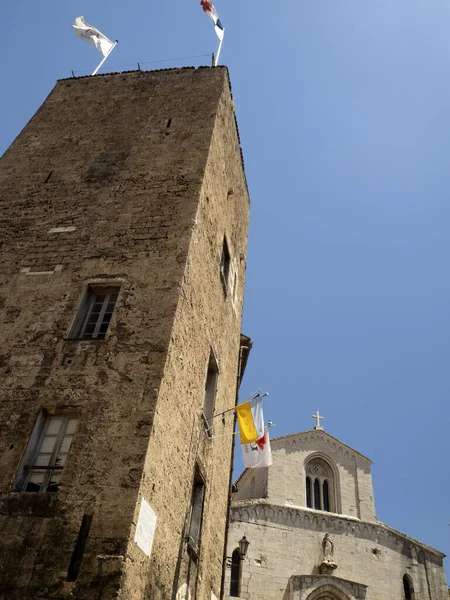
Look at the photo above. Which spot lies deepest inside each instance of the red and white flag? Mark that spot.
(212, 13)
(258, 454)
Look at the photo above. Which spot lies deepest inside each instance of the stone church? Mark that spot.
(310, 531)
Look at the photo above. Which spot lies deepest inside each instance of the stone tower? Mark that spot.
(123, 235)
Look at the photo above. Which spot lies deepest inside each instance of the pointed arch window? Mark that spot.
(326, 497)
(235, 582)
(408, 588)
(308, 492)
(319, 485)
(317, 503)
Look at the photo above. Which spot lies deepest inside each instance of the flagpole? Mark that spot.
(105, 57)
(213, 437)
(218, 50)
(234, 407)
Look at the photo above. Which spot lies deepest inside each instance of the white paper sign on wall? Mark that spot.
(145, 528)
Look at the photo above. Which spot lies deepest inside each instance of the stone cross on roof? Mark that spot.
(317, 417)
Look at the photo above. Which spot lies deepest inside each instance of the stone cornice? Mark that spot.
(313, 435)
(260, 511)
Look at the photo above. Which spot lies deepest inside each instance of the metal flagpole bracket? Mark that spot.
(214, 437)
(251, 397)
(105, 57)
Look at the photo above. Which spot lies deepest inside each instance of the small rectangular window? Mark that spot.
(196, 516)
(225, 261)
(209, 400)
(46, 454)
(95, 313)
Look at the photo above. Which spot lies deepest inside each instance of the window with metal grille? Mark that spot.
(46, 454)
(95, 313)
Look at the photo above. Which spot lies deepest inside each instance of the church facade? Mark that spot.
(313, 534)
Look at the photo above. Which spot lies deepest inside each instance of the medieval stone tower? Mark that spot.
(123, 234)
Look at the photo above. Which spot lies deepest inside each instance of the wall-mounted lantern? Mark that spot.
(243, 547)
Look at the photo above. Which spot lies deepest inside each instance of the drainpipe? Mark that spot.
(230, 479)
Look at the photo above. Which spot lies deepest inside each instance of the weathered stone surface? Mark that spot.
(286, 484)
(290, 557)
(120, 178)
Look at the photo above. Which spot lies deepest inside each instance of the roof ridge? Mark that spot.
(143, 71)
(288, 435)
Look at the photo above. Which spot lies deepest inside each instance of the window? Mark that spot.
(95, 313)
(235, 581)
(225, 261)
(308, 492)
(195, 521)
(319, 485)
(408, 589)
(317, 490)
(210, 393)
(326, 498)
(46, 454)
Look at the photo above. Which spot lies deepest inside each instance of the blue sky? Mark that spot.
(343, 108)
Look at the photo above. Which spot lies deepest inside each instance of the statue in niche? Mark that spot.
(328, 565)
(327, 546)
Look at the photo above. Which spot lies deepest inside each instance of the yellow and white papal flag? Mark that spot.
(258, 454)
(250, 419)
(92, 35)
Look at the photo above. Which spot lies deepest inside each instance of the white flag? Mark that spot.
(91, 35)
(212, 13)
(258, 454)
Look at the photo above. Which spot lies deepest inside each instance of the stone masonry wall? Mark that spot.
(252, 484)
(103, 185)
(205, 320)
(286, 479)
(286, 543)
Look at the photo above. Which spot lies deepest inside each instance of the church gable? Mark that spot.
(314, 470)
(317, 438)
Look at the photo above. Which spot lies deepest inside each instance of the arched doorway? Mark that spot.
(328, 592)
